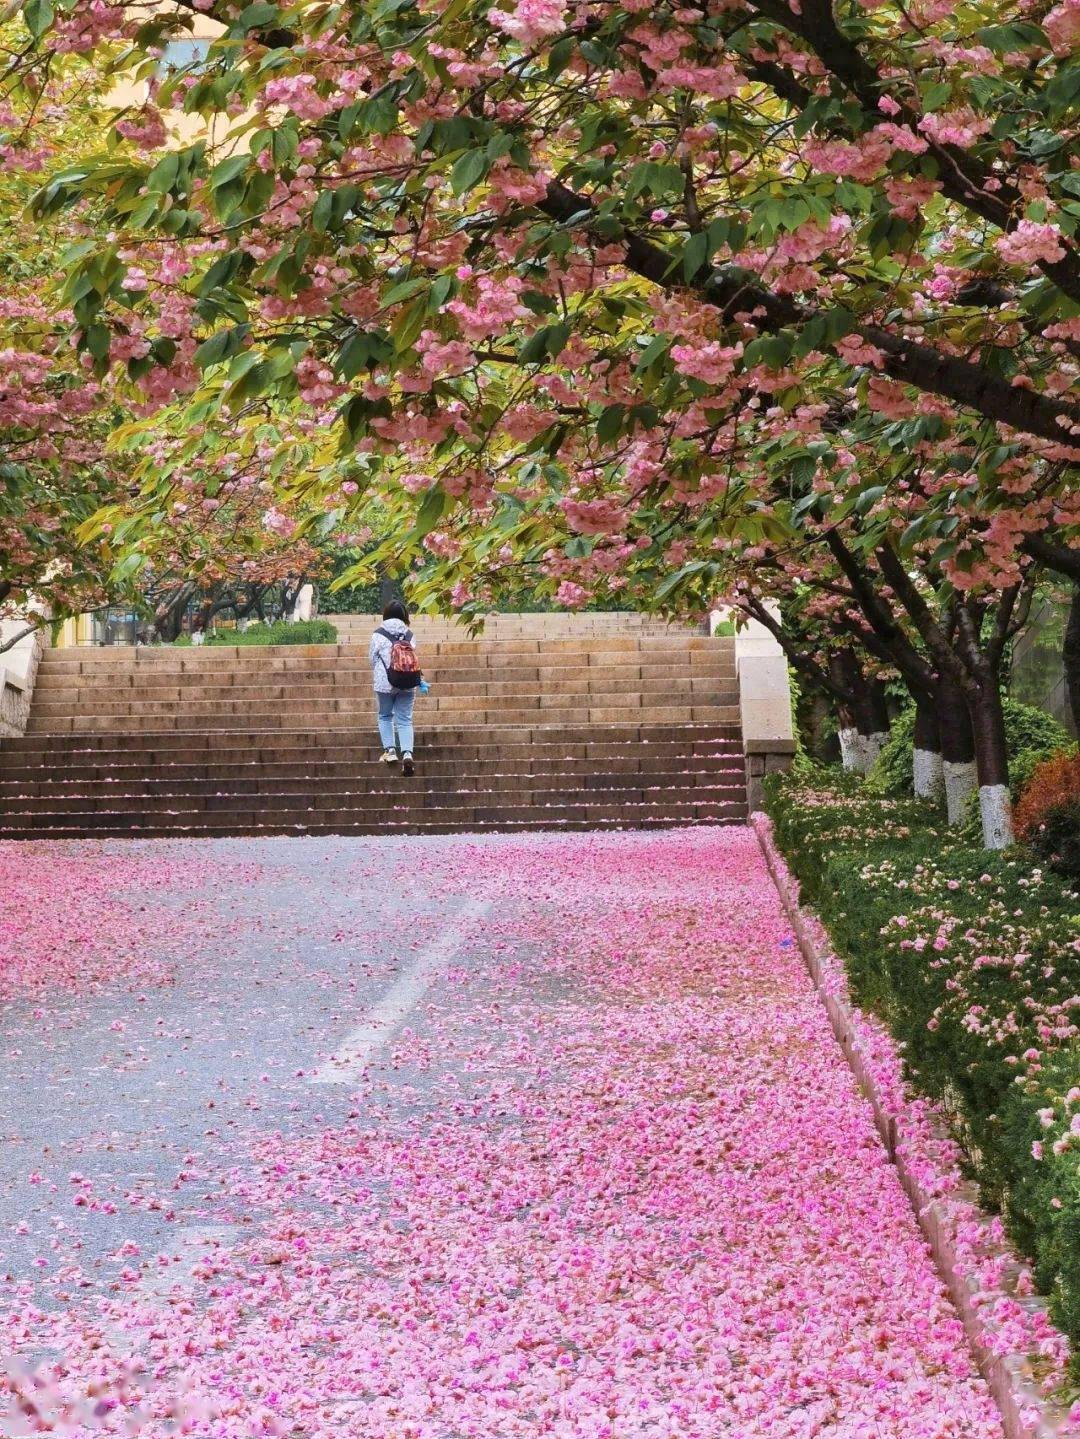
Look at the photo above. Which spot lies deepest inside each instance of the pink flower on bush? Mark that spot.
(278, 523)
(1029, 243)
(530, 21)
(594, 517)
(571, 595)
(1062, 25)
(711, 362)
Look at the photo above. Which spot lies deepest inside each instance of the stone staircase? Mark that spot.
(626, 725)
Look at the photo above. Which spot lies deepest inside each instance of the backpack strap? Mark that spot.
(406, 638)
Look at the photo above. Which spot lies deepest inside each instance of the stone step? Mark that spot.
(176, 683)
(437, 819)
(471, 740)
(146, 783)
(394, 792)
(356, 763)
(60, 700)
(356, 760)
(483, 652)
(353, 715)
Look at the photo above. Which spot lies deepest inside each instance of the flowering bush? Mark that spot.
(974, 963)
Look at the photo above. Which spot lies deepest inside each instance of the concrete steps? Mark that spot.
(528, 727)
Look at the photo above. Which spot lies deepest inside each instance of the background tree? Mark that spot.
(574, 294)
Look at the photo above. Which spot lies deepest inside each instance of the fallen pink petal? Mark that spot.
(609, 1175)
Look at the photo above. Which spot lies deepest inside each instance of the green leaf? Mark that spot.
(695, 254)
(656, 347)
(468, 170)
(39, 15)
(610, 423)
(431, 511)
(547, 341)
(1020, 35)
(404, 290)
(868, 499)
(222, 345)
(257, 16)
(163, 176)
(673, 582)
(97, 340)
(321, 212)
(228, 170)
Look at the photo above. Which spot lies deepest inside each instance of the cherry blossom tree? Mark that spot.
(575, 291)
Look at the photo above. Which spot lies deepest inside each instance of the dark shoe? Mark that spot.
(407, 766)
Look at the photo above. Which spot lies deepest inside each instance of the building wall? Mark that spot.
(183, 129)
(1038, 670)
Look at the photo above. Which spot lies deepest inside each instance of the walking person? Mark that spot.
(395, 674)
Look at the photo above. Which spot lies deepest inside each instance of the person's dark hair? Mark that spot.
(395, 610)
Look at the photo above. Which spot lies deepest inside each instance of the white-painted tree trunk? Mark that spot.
(995, 807)
(850, 749)
(928, 773)
(859, 751)
(872, 745)
(960, 780)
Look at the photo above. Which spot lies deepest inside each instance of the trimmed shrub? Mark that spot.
(971, 960)
(892, 770)
(1048, 813)
(281, 632)
(1031, 734)
(1052, 783)
(1057, 840)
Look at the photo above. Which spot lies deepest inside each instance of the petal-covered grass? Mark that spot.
(612, 1180)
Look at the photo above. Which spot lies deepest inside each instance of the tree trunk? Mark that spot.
(389, 589)
(992, 759)
(957, 747)
(871, 718)
(169, 614)
(1071, 658)
(863, 721)
(928, 775)
(841, 666)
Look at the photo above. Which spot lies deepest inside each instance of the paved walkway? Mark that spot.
(452, 1139)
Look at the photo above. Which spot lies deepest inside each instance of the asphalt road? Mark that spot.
(446, 1138)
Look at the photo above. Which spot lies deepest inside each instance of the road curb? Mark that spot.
(979, 1269)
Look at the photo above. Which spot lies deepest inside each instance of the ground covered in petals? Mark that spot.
(606, 1176)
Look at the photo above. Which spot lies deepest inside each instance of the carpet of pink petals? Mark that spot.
(998, 1284)
(73, 917)
(613, 1181)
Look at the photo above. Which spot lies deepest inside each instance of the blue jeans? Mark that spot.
(395, 712)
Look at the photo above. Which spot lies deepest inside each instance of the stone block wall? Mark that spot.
(18, 671)
(764, 706)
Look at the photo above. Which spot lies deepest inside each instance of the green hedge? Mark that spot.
(972, 961)
(281, 632)
(1032, 735)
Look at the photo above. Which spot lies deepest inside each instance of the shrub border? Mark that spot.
(978, 1270)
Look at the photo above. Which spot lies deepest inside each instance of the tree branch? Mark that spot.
(905, 360)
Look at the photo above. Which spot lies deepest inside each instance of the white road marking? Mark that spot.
(177, 1261)
(383, 1020)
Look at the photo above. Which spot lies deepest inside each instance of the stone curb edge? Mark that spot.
(1026, 1412)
